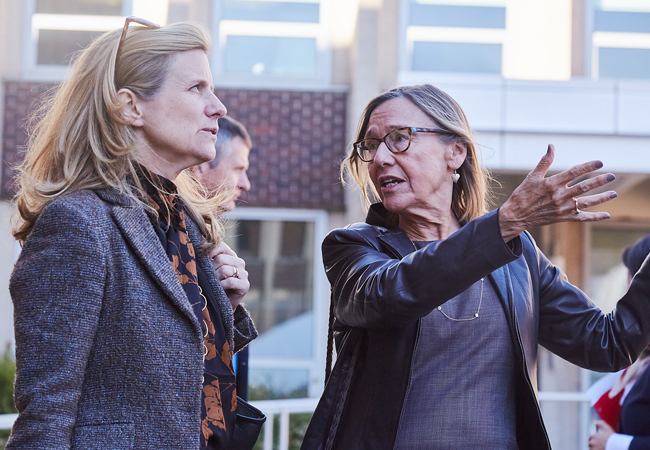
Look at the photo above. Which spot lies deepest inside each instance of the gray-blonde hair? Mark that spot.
(472, 192)
(78, 138)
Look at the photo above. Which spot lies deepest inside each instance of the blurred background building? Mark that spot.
(297, 73)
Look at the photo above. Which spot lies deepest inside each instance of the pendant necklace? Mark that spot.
(480, 301)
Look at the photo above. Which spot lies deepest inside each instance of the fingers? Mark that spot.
(220, 249)
(545, 163)
(241, 284)
(590, 184)
(227, 266)
(593, 200)
(564, 178)
(602, 425)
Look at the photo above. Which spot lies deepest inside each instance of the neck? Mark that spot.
(146, 156)
(158, 166)
(419, 228)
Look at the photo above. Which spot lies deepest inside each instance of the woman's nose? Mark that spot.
(383, 155)
(215, 107)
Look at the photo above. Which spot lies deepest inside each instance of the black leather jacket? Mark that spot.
(382, 287)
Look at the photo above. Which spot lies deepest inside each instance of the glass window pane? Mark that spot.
(456, 57)
(626, 22)
(57, 47)
(457, 16)
(624, 63)
(276, 56)
(271, 11)
(280, 262)
(271, 384)
(90, 7)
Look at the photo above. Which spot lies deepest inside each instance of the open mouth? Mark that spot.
(390, 182)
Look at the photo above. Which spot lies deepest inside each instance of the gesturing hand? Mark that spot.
(231, 271)
(541, 200)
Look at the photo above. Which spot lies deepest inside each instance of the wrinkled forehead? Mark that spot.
(396, 113)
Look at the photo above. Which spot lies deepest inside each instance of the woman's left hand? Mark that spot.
(231, 271)
(598, 440)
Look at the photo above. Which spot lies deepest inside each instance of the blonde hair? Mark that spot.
(79, 139)
(472, 192)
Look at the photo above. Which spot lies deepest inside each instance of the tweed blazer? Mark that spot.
(109, 353)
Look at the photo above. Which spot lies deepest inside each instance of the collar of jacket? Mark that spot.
(138, 231)
(399, 245)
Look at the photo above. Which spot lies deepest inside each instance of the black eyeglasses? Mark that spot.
(397, 141)
(127, 22)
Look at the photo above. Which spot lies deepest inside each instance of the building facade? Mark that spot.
(298, 73)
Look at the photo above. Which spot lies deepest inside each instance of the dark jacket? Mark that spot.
(635, 413)
(109, 353)
(382, 287)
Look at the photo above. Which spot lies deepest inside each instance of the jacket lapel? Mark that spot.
(500, 284)
(137, 230)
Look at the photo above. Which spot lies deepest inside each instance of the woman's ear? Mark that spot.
(131, 111)
(458, 154)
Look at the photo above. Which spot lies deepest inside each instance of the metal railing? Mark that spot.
(274, 410)
(282, 409)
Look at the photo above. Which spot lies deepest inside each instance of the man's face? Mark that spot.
(231, 171)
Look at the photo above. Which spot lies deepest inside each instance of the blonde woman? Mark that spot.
(438, 306)
(126, 301)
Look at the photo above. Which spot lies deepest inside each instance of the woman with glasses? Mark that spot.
(438, 305)
(126, 301)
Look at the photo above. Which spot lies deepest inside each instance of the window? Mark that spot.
(270, 42)
(56, 29)
(621, 39)
(454, 36)
(287, 299)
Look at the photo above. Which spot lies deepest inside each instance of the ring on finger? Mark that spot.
(576, 211)
(235, 272)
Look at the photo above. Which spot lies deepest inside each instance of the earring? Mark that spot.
(455, 176)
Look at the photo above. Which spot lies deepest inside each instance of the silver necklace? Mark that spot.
(480, 301)
(475, 316)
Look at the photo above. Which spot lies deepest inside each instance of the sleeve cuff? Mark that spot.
(618, 442)
(514, 245)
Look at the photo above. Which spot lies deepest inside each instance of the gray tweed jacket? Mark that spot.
(108, 350)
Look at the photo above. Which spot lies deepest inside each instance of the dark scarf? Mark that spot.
(219, 396)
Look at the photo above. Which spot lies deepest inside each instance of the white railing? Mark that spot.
(7, 421)
(563, 396)
(281, 409)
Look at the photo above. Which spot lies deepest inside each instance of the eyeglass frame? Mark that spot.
(128, 22)
(411, 130)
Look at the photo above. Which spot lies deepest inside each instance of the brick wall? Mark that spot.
(298, 142)
(20, 99)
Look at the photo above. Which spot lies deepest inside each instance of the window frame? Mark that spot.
(315, 365)
(409, 34)
(222, 28)
(33, 22)
(595, 40)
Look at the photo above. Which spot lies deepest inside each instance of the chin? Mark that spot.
(393, 206)
(228, 207)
